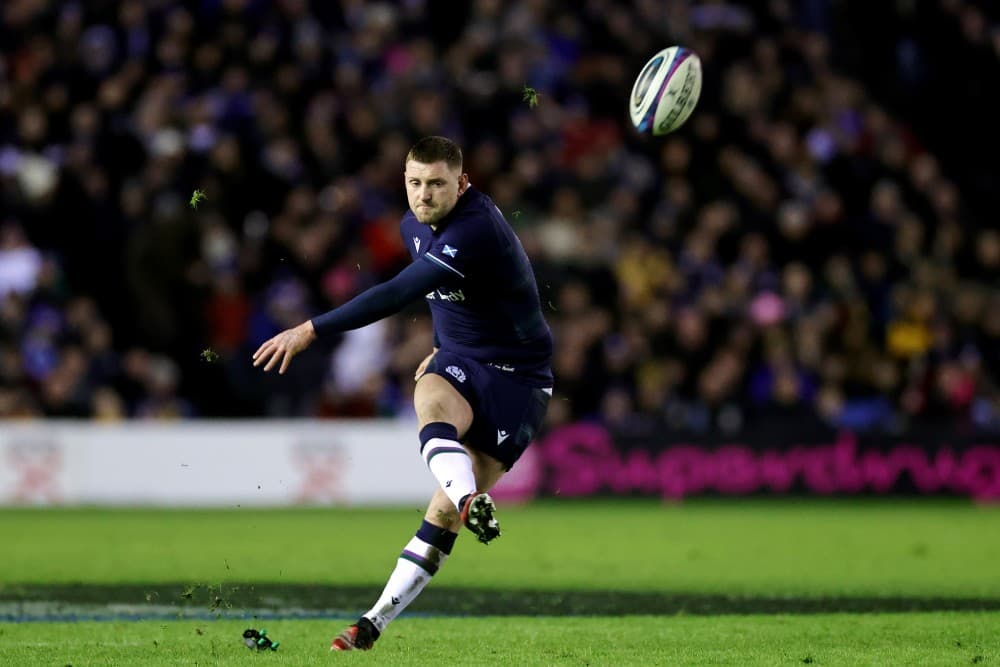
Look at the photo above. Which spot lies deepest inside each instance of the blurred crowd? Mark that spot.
(816, 247)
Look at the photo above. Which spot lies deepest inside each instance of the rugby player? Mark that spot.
(482, 392)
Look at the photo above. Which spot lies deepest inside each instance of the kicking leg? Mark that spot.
(442, 512)
(420, 560)
(444, 417)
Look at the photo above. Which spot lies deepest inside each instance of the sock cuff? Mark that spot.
(437, 430)
(437, 446)
(372, 626)
(440, 538)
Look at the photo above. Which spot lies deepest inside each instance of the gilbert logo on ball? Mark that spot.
(666, 91)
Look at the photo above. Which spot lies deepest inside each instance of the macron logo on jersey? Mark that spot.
(416, 243)
(501, 436)
(448, 250)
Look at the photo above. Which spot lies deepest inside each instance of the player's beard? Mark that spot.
(428, 215)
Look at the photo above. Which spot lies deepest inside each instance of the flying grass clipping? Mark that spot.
(197, 197)
(530, 95)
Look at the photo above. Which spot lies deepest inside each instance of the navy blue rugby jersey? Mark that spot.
(489, 309)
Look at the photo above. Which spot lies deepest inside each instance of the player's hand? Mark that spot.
(423, 365)
(284, 346)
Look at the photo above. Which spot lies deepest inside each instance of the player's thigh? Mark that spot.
(508, 417)
(435, 400)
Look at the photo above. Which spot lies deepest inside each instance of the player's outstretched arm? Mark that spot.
(372, 305)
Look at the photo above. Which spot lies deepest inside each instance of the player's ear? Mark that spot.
(463, 183)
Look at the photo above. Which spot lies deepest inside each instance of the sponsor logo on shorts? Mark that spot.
(501, 436)
(456, 373)
(502, 367)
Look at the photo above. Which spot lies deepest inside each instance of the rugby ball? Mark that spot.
(666, 91)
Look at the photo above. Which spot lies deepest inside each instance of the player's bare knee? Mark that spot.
(433, 409)
(436, 400)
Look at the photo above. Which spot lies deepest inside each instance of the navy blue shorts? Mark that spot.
(506, 412)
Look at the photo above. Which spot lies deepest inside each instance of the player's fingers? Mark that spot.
(287, 359)
(261, 350)
(264, 356)
(275, 357)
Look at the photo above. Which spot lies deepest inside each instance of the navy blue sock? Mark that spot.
(442, 430)
(438, 537)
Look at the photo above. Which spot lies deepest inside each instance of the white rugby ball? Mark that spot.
(666, 91)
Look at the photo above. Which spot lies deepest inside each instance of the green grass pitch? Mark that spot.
(586, 582)
(889, 639)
